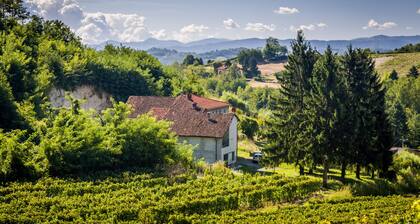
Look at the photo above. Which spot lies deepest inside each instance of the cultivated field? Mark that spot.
(219, 196)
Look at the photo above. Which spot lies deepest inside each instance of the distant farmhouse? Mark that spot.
(204, 123)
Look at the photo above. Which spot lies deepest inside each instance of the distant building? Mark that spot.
(204, 123)
(400, 149)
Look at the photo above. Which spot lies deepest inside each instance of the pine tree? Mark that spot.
(358, 68)
(413, 73)
(393, 75)
(288, 140)
(324, 110)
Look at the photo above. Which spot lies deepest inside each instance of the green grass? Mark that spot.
(247, 146)
(401, 62)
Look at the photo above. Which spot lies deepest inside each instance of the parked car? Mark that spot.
(257, 156)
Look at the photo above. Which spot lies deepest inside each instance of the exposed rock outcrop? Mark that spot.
(91, 97)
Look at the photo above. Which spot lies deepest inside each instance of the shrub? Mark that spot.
(407, 167)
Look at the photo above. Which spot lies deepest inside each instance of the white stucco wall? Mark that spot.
(211, 148)
(90, 96)
(204, 147)
(233, 142)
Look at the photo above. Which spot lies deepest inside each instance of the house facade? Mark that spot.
(204, 123)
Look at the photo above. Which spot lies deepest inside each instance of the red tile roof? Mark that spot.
(208, 104)
(187, 120)
(143, 104)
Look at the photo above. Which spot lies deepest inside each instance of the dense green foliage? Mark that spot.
(191, 60)
(409, 48)
(331, 110)
(403, 108)
(78, 142)
(407, 166)
(273, 51)
(249, 59)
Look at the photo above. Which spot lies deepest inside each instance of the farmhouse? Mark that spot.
(204, 123)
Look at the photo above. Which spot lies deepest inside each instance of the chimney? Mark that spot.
(189, 96)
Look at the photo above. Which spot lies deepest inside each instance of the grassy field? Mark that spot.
(401, 62)
(267, 74)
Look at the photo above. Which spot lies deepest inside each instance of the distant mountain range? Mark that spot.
(178, 49)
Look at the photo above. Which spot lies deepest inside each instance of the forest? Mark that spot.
(334, 114)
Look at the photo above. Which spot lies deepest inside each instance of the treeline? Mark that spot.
(37, 140)
(331, 112)
(409, 48)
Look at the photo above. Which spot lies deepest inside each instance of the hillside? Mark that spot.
(219, 196)
(376, 43)
(401, 62)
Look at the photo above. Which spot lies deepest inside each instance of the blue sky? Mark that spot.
(187, 20)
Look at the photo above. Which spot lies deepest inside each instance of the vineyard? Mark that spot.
(216, 197)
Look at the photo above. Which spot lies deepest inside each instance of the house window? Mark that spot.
(233, 155)
(226, 157)
(225, 141)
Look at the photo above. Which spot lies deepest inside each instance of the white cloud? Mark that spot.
(159, 34)
(66, 10)
(98, 27)
(230, 24)
(260, 27)
(190, 32)
(418, 11)
(408, 28)
(286, 10)
(310, 27)
(93, 27)
(192, 28)
(372, 24)
(321, 25)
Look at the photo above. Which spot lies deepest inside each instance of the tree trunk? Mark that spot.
(358, 171)
(311, 171)
(301, 170)
(325, 173)
(343, 171)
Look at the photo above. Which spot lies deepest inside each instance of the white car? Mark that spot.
(257, 156)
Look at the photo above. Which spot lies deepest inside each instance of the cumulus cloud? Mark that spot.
(309, 27)
(372, 24)
(230, 24)
(190, 32)
(418, 11)
(192, 28)
(286, 10)
(94, 27)
(67, 11)
(260, 27)
(159, 34)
